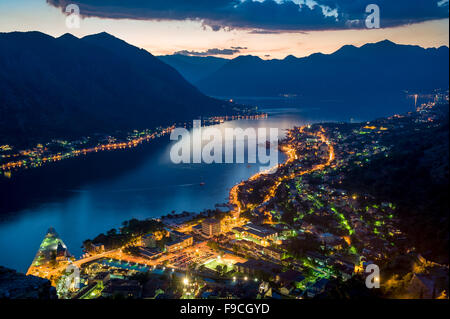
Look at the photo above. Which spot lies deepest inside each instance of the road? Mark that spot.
(54, 272)
(290, 151)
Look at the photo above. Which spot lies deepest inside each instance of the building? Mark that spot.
(61, 253)
(328, 238)
(345, 270)
(97, 248)
(273, 253)
(252, 267)
(150, 252)
(102, 277)
(289, 277)
(125, 288)
(197, 229)
(317, 288)
(317, 258)
(149, 240)
(179, 243)
(230, 235)
(211, 227)
(258, 234)
(154, 287)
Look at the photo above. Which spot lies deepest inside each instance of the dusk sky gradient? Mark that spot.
(227, 28)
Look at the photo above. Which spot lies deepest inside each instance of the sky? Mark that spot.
(228, 28)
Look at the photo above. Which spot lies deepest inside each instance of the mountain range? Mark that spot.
(194, 68)
(382, 68)
(68, 86)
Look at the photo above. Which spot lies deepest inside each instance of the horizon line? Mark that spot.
(231, 58)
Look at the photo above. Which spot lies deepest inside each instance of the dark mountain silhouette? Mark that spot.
(194, 68)
(57, 87)
(375, 69)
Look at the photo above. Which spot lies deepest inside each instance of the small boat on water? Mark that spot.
(202, 183)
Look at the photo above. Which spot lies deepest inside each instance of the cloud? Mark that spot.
(259, 31)
(262, 15)
(392, 13)
(214, 51)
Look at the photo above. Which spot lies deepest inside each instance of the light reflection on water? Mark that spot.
(153, 188)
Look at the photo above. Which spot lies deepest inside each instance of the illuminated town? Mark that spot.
(289, 234)
(224, 159)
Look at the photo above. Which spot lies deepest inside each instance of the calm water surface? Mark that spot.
(150, 187)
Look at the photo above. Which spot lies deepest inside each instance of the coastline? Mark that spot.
(39, 156)
(186, 217)
(79, 206)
